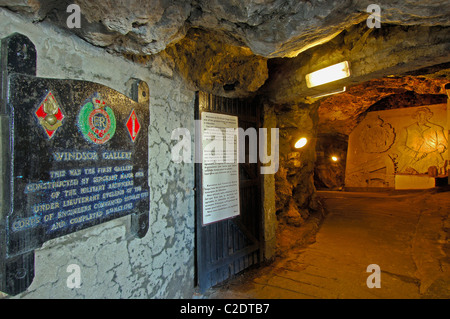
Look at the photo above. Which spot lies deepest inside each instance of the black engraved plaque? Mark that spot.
(74, 155)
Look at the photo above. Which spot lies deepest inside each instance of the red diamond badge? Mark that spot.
(133, 125)
(49, 115)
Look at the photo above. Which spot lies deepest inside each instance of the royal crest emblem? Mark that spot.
(97, 121)
(49, 114)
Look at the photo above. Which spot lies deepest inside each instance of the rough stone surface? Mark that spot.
(271, 28)
(371, 53)
(135, 26)
(412, 35)
(342, 112)
(241, 36)
(269, 193)
(330, 174)
(294, 180)
(115, 264)
(212, 65)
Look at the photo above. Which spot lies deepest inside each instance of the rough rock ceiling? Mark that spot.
(224, 46)
(210, 64)
(270, 28)
(372, 54)
(339, 114)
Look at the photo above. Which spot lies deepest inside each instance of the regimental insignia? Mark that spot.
(97, 121)
(133, 125)
(49, 114)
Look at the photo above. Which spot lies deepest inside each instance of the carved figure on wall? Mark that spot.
(421, 144)
(377, 136)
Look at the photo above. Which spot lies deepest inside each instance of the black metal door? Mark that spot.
(227, 247)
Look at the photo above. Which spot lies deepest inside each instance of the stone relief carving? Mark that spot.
(377, 136)
(421, 144)
(376, 172)
(387, 143)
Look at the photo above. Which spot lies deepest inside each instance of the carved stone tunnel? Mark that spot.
(382, 128)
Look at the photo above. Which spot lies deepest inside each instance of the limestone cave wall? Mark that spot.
(295, 192)
(113, 263)
(331, 159)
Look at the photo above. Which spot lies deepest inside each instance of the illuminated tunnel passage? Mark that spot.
(402, 235)
(97, 176)
(362, 203)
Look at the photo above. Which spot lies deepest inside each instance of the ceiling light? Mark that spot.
(329, 93)
(329, 74)
(301, 142)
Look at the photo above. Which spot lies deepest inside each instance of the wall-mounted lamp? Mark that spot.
(329, 74)
(329, 93)
(301, 142)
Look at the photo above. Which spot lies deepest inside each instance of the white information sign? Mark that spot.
(220, 167)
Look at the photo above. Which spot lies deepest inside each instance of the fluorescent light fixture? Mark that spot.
(329, 74)
(301, 142)
(328, 93)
